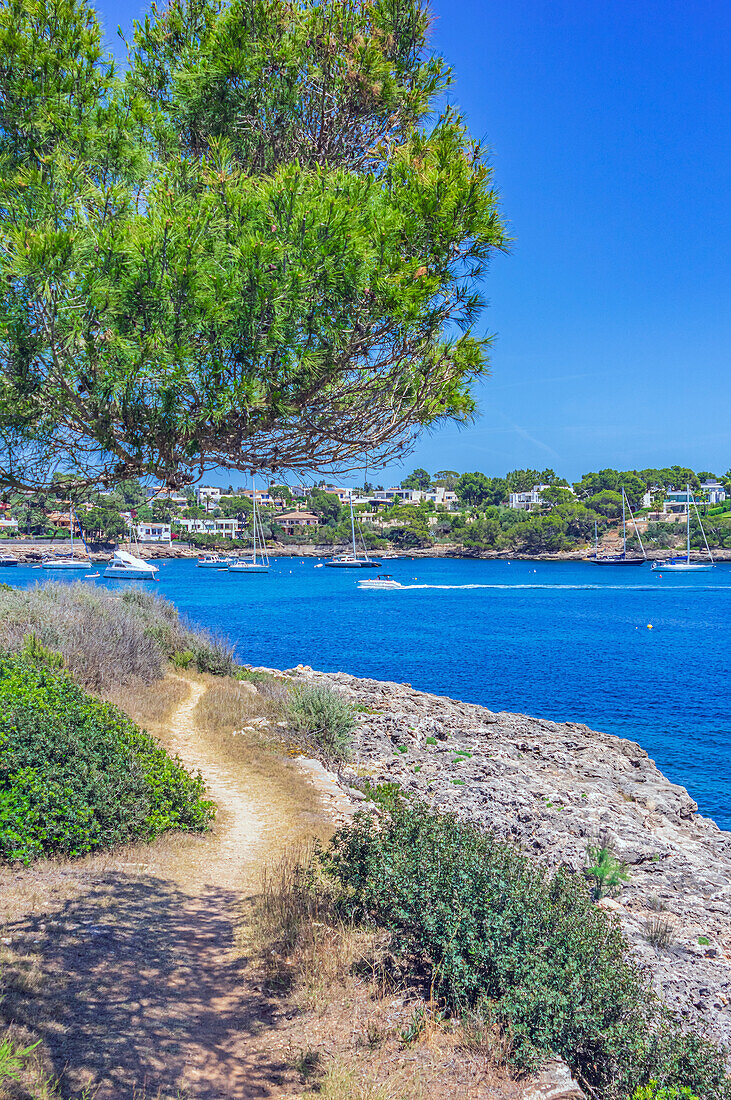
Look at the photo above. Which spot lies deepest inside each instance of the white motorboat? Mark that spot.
(124, 566)
(65, 560)
(214, 561)
(258, 561)
(384, 581)
(351, 560)
(683, 564)
(7, 560)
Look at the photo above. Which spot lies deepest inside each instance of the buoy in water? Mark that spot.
(649, 626)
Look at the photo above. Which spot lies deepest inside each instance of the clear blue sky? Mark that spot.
(610, 132)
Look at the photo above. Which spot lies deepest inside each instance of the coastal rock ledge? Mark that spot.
(555, 788)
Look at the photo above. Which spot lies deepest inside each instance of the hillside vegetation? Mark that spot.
(76, 774)
(106, 640)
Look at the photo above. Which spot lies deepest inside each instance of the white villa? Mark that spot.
(528, 501)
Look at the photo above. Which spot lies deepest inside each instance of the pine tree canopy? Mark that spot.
(257, 248)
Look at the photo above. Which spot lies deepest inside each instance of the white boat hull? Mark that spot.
(65, 564)
(129, 574)
(684, 567)
(243, 567)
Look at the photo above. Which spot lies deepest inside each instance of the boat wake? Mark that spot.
(579, 587)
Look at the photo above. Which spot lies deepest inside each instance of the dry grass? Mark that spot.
(360, 1030)
(149, 705)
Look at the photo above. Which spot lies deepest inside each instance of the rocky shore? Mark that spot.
(555, 788)
(31, 553)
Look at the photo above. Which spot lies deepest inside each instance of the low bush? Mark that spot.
(324, 716)
(77, 774)
(527, 949)
(105, 640)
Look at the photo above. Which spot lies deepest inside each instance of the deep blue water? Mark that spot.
(561, 640)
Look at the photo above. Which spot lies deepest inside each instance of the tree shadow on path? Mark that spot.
(144, 990)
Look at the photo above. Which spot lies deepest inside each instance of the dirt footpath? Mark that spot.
(140, 987)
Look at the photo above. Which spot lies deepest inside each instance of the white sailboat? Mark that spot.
(684, 564)
(350, 560)
(259, 560)
(65, 560)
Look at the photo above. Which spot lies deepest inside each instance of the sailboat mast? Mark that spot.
(352, 523)
(687, 509)
(253, 502)
(624, 526)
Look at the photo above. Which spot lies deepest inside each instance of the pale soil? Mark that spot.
(139, 983)
(132, 967)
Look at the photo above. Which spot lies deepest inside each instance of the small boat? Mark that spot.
(213, 561)
(350, 560)
(385, 581)
(7, 560)
(623, 558)
(65, 560)
(258, 561)
(683, 564)
(124, 566)
(90, 576)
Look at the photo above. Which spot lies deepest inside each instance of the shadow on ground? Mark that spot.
(142, 989)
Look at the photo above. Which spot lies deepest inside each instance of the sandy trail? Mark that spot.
(145, 992)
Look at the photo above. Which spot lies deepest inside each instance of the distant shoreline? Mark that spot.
(31, 553)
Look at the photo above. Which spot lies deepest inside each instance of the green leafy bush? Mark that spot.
(654, 1091)
(183, 658)
(77, 774)
(607, 872)
(529, 950)
(323, 715)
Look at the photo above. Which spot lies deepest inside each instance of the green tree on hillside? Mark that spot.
(258, 250)
(418, 479)
(325, 505)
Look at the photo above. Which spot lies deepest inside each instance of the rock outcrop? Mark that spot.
(556, 788)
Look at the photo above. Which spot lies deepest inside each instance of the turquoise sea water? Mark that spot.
(560, 640)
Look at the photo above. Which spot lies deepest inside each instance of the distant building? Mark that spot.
(8, 524)
(153, 532)
(291, 521)
(437, 495)
(528, 501)
(713, 491)
(676, 502)
(207, 493)
(227, 527)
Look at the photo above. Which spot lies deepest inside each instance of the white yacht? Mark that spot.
(258, 562)
(124, 566)
(384, 581)
(64, 560)
(214, 561)
(7, 559)
(683, 564)
(351, 560)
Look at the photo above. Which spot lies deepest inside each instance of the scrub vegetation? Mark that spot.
(105, 640)
(76, 774)
(499, 943)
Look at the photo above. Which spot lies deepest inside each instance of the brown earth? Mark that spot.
(134, 968)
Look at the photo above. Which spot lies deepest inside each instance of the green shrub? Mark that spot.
(183, 658)
(607, 872)
(213, 655)
(323, 715)
(654, 1091)
(77, 774)
(526, 949)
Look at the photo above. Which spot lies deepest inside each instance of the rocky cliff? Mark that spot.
(555, 788)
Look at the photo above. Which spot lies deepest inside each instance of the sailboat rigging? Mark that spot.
(623, 558)
(259, 560)
(350, 559)
(683, 563)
